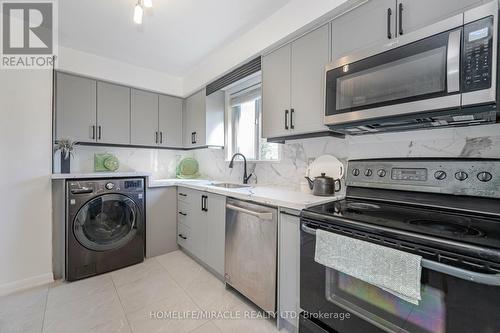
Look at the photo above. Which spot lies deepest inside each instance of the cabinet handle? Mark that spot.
(93, 132)
(183, 214)
(206, 203)
(99, 130)
(389, 15)
(182, 236)
(161, 137)
(401, 19)
(156, 137)
(193, 138)
(292, 126)
(183, 195)
(286, 119)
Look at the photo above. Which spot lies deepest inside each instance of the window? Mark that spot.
(245, 132)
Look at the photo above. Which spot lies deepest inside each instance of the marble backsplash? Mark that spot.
(289, 172)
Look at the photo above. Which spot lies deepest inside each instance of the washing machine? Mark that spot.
(105, 225)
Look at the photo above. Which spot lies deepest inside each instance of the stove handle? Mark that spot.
(481, 278)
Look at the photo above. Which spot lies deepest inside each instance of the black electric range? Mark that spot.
(447, 211)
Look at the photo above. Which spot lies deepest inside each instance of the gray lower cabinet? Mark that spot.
(289, 269)
(203, 120)
(201, 224)
(293, 80)
(75, 108)
(169, 121)
(113, 113)
(161, 221)
(144, 117)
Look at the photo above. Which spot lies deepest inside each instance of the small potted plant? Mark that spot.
(65, 146)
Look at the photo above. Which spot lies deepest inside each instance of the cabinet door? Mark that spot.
(75, 108)
(417, 14)
(310, 55)
(195, 120)
(161, 221)
(144, 116)
(363, 27)
(289, 269)
(198, 226)
(113, 113)
(276, 92)
(216, 226)
(170, 120)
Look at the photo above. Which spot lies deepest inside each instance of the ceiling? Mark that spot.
(175, 34)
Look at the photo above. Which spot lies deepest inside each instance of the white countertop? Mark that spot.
(269, 195)
(99, 175)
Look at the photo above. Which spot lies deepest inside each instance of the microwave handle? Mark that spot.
(453, 61)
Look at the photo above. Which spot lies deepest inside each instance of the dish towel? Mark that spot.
(394, 271)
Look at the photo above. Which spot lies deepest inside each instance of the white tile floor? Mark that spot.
(123, 301)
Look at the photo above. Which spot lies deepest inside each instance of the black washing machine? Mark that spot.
(105, 225)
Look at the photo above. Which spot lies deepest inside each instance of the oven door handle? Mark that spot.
(480, 278)
(453, 61)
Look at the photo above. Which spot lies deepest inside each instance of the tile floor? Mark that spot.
(124, 301)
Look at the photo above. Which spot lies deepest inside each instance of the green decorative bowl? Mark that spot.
(188, 169)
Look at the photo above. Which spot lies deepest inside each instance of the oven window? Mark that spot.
(421, 74)
(408, 73)
(385, 310)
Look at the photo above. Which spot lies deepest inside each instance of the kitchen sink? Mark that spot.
(230, 185)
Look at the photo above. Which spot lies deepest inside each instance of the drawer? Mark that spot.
(183, 195)
(183, 236)
(183, 211)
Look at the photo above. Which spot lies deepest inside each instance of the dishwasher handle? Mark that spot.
(260, 216)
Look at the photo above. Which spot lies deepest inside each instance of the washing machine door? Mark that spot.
(106, 222)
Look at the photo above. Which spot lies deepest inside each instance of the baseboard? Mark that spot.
(31, 282)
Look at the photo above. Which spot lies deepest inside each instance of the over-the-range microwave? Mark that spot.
(442, 75)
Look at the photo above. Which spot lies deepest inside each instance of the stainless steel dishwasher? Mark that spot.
(251, 251)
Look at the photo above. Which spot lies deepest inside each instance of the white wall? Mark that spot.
(289, 19)
(25, 168)
(88, 64)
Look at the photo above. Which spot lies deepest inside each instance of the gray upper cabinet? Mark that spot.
(113, 113)
(144, 118)
(276, 92)
(370, 24)
(293, 86)
(169, 121)
(75, 108)
(310, 55)
(416, 14)
(203, 119)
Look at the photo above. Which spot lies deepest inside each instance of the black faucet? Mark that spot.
(245, 177)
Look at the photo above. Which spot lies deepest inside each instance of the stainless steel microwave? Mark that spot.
(444, 74)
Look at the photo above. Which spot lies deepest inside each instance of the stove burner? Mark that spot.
(362, 206)
(446, 228)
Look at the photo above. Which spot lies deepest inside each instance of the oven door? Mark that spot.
(334, 301)
(419, 76)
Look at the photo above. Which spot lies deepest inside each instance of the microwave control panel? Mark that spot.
(477, 57)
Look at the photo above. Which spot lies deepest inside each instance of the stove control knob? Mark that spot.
(368, 172)
(110, 186)
(484, 176)
(440, 175)
(355, 172)
(381, 173)
(461, 176)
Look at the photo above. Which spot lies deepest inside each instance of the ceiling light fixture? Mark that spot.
(139, 9)
(138, 13)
